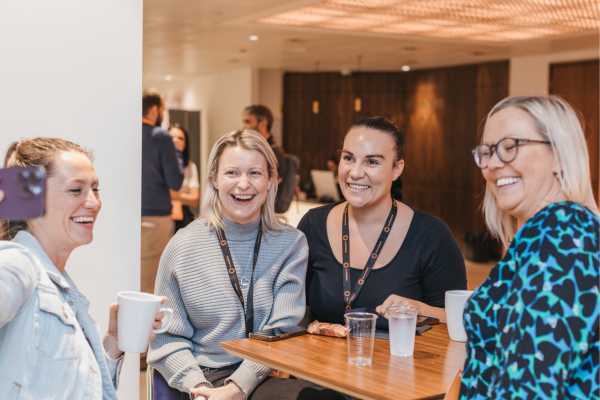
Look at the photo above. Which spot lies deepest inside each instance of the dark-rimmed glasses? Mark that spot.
(506, 149)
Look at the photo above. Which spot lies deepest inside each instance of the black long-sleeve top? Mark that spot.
(428, 264)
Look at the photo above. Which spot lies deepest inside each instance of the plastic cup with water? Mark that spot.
(361, 336)
(403, 324)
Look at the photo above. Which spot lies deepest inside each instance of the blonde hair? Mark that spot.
(558, 123)
(39, 152)
(212, 208)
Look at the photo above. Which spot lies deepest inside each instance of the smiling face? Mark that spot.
(367, 167)
(528, 183)
(242, 182)
(178, 138)
(72, 203)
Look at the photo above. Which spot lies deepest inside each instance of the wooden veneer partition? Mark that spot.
(440, 110)
(578, 82)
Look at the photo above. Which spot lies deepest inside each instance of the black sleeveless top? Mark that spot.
(428, 264)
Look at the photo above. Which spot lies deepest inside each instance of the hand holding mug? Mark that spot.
(111, 338)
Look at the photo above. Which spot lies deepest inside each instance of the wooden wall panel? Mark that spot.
(578, 83)
(440, 111)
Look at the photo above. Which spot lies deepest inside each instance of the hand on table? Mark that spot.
(397, 301)
(111, 337)
(230, 391)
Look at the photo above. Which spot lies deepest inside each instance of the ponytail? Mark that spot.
(396, 190)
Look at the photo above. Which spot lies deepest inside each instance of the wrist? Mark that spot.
(111, 348)
(199, 396)
(236, 390)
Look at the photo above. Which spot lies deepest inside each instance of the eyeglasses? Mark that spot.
(506, 149)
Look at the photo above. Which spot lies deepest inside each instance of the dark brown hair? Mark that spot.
(39, 152)
(261, 113)
(384, 125)
(186, 149)
(150, 98)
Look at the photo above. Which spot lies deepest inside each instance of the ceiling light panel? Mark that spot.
(481, 20)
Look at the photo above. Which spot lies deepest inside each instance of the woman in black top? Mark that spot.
(373, 250)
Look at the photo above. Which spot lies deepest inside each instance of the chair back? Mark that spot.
(157, 387)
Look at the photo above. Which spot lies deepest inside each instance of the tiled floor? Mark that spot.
(476, 273)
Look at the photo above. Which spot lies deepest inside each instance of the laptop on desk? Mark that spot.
(325, 184)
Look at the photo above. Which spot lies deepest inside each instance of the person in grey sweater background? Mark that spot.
(238, 252)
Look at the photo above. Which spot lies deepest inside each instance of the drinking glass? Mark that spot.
(361, 336)
(403, 325)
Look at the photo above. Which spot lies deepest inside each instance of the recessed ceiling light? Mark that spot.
(168, 78)
(405, 68)
(254, 38)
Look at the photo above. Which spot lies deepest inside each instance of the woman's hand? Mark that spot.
(397, 301)
(424, 309)
(231, 391)
(111, 337)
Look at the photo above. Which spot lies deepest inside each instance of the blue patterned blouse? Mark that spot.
(532, 326)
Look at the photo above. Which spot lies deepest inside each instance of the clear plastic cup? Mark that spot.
(361, 336)
(403, 324)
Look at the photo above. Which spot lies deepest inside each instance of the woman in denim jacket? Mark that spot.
(50, 347)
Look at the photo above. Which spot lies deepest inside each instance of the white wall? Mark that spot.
(530, 75)
(270, 94)
(220, 98)
(73, 69)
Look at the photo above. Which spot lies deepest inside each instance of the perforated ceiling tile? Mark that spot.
(481, 20)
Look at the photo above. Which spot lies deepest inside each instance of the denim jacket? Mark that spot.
(50, 347)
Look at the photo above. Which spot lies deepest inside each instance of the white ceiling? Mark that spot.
(190, 37)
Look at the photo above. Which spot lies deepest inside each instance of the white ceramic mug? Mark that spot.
(136, 316)
(455, 307)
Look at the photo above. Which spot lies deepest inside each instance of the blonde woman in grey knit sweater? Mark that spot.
(238, 252)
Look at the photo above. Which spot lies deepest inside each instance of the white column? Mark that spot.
(73, 69)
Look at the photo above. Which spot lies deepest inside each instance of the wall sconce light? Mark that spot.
(315, 107)
(357, 104)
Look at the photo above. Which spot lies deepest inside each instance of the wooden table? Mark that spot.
(324, 360)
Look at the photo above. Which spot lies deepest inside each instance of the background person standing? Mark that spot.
(260, 119)
(162, 170)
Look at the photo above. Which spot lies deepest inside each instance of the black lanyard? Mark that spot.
(349, 296)
(235, 283)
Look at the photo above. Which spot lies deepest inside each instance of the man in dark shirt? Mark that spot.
(162, 170)
(260, 119)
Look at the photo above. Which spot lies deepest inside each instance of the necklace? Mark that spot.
(245, 281)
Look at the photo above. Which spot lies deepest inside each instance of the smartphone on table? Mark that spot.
(24, 193)
(280, 333)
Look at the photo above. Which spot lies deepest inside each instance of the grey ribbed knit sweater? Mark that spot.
(193, 276)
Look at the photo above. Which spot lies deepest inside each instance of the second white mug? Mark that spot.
(136, 316)
(455, 307)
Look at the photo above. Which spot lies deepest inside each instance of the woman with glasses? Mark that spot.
(373, 250)
(532, 326)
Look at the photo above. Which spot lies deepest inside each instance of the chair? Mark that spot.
(453, 391)
(279, 374)
(157, 387)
